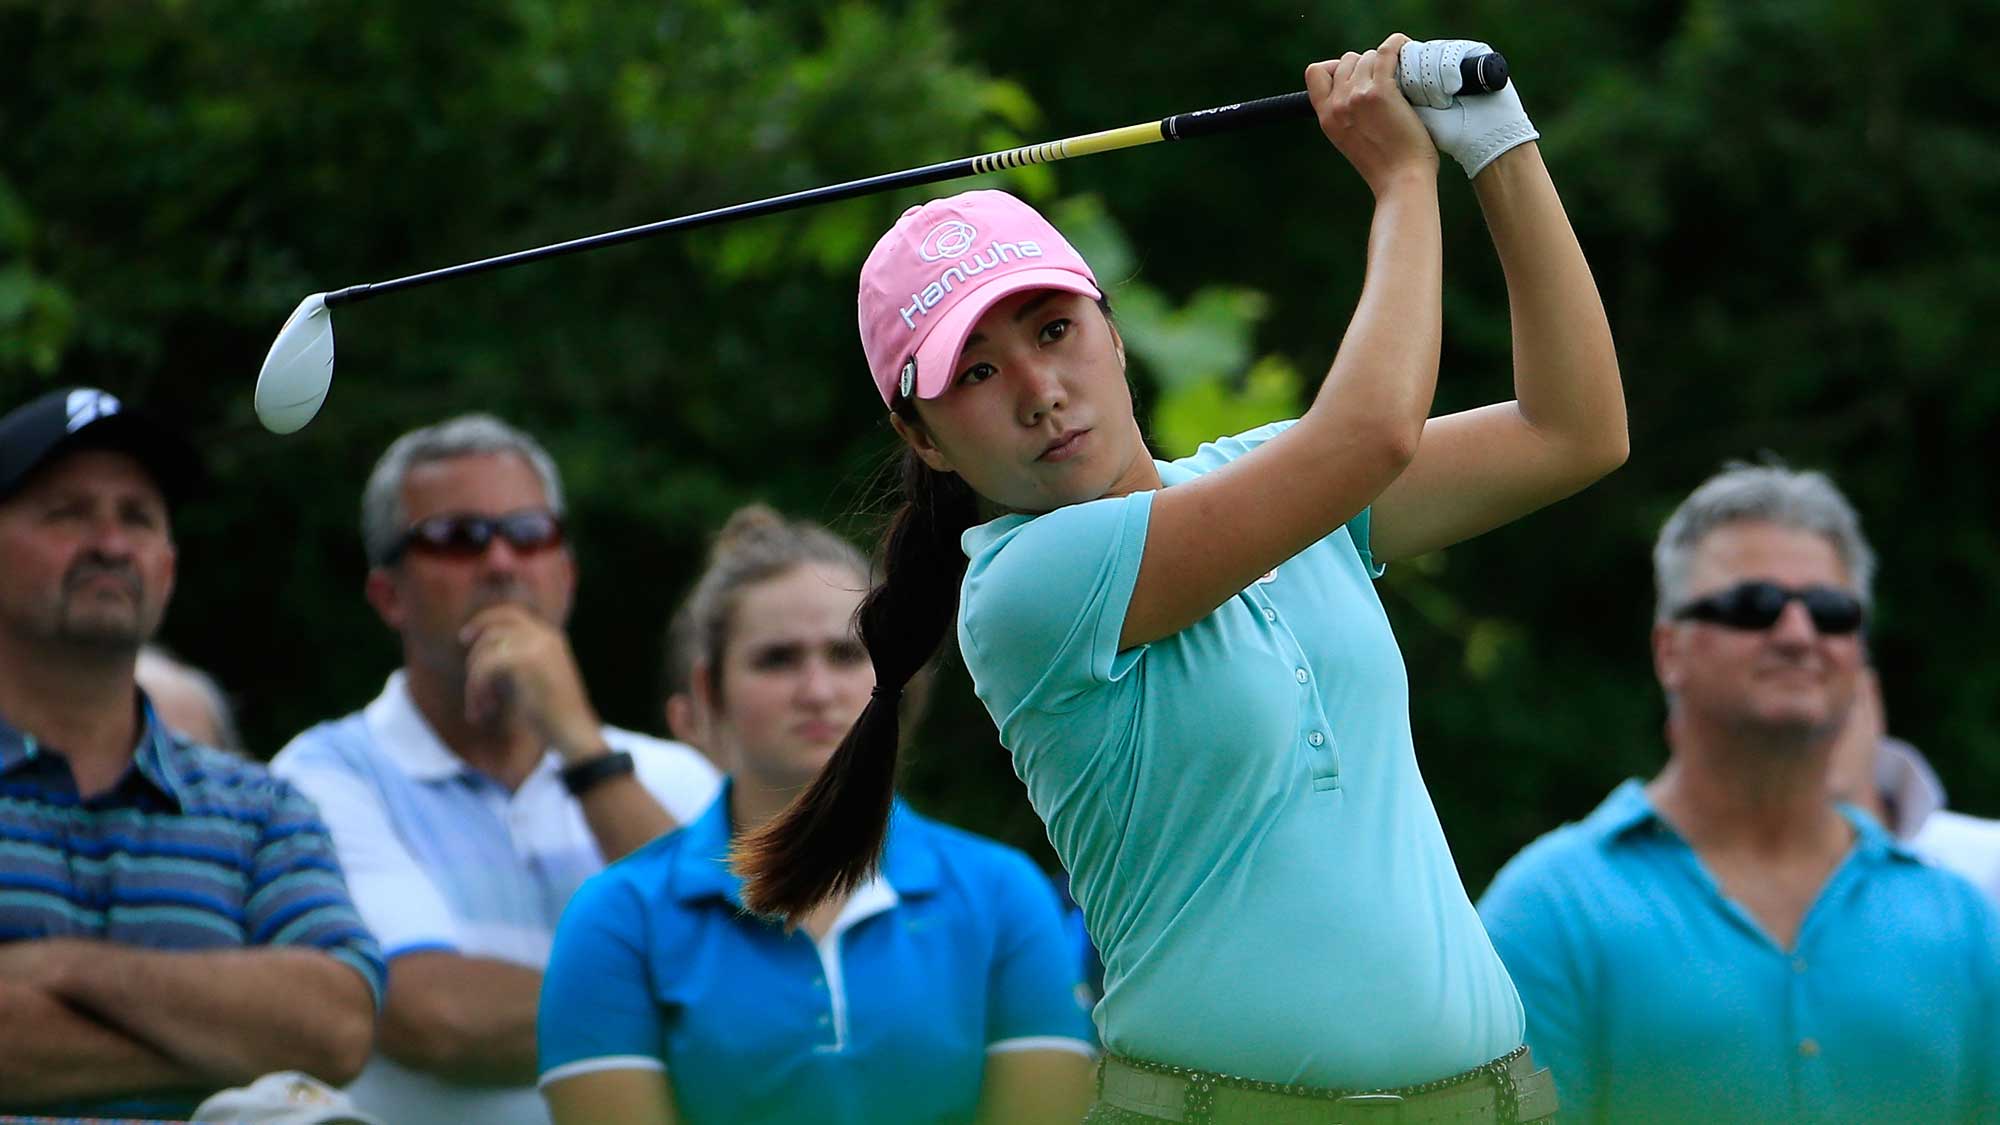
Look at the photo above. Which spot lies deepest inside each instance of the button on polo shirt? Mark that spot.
(956, 952)
(1238, 804)
(1655, 998)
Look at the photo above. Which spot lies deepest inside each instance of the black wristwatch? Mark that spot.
(594, 771)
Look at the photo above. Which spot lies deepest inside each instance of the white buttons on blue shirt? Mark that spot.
(1303, 675)
(1270, 614)
(1316, 738)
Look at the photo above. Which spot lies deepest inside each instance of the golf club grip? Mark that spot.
(1242, 115)
(1478, 74)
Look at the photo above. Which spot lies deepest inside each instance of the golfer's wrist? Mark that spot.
(1506, 173)
(1415, 179)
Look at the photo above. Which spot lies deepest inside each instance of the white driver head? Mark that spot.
(298, 370)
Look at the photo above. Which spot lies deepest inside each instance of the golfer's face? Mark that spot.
(1788, 677)
(439, 593)
(793, 677)
(86, 555)
(1038, 414)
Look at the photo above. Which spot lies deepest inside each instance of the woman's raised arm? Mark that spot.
(1212, 536)
(1565, 428)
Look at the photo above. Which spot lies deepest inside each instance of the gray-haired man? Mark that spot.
(1726, 943)
(473, 796)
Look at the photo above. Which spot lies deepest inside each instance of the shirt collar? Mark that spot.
(406, 736)
(16, 748)
(981, 537)
(1173, 472)
(701, 864)
(1625, 810)
(909, 863)
(156, 755)
(1628, 810)
(1874, 840)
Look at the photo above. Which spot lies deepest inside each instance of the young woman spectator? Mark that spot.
(943, 989)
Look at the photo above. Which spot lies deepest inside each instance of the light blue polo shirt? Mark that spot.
(1238, 804)
(956, 952)
(1654, 998)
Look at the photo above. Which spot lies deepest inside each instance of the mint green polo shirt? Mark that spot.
(1238, 804)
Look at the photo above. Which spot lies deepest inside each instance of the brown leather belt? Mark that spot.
(1504, 1091)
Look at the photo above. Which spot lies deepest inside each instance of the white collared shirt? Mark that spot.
(1969, 845)
(441, 857)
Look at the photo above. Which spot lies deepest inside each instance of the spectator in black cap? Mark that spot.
(172, 918)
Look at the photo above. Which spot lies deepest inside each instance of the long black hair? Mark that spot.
(830, 839)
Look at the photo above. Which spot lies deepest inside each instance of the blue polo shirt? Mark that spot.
(1654, 998)
(191, 849)
(1238, 804)
(956, 952)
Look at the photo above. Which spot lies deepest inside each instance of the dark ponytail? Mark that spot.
(830, 839)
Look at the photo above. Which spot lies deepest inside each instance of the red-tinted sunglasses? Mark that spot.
(461, 535)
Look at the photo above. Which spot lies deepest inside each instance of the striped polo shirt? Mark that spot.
(191, 849)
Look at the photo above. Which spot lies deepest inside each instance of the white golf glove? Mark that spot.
(1471, 130)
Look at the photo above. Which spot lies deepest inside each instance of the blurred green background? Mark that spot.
(1793, 210)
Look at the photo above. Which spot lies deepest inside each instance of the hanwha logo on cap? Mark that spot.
(908, 384)
(949, 239)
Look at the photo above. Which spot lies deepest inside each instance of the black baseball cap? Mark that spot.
(73, 418)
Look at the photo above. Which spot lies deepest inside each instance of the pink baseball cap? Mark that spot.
(938, 270)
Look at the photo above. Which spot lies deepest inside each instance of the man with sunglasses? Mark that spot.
(1727, 943)
(172, 919)
(480, 789)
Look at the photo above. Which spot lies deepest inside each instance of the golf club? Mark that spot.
(298, 370)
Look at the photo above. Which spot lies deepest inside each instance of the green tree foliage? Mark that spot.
(1790, 207)
(177, 176)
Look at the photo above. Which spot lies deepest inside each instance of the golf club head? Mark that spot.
(299, 368)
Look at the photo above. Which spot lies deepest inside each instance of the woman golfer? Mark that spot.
(1187, 660)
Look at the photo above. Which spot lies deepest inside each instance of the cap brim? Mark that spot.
(938, 354)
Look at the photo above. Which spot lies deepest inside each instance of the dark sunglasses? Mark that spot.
(462, 536)
(1757, 605)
